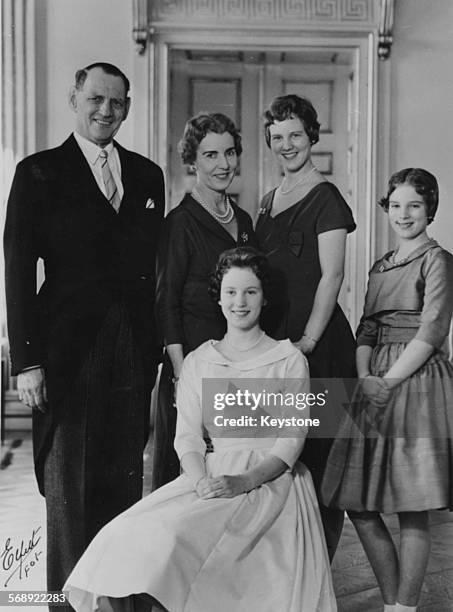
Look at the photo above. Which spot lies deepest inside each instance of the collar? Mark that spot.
(386, 262)
(91, 150)
(208, 352)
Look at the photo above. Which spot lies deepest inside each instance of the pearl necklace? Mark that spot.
(298, 182)
(247, 348)
(223, 218)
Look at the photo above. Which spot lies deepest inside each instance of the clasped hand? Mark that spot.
(376, 390)
(222, 486)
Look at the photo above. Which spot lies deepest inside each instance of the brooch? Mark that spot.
(244, 237)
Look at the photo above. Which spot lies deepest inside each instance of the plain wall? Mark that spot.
(72, 34)
(421, 99)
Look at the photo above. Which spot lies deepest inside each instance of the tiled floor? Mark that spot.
(22, 510)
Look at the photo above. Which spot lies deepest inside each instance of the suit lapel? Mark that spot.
(131, 181)
(127, 175)
(75, 168)
(77, 174)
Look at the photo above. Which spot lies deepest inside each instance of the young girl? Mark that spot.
(402, 461)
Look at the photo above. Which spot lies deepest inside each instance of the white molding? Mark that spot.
(18, 81)
(161, 93)
(140, 24)
(18, 99)
(310, 13)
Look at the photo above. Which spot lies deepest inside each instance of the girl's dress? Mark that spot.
(400, 458)
(259, 551)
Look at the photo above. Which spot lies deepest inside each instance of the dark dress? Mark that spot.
(290, 241)
(191, 243)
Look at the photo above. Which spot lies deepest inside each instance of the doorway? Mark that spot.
(241, 84)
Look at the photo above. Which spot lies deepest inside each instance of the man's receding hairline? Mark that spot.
(81, 75)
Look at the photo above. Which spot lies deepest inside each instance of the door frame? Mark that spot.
(373, 89)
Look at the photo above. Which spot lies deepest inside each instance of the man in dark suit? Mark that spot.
(85, 349)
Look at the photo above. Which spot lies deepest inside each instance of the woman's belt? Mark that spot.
(388, 334)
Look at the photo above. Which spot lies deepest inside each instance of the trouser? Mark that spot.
(93, 470)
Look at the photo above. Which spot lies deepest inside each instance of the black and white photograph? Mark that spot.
(227, 301)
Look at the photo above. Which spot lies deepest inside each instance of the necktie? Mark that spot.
(111, 189)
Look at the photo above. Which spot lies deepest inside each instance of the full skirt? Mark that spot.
(398, 458)
(262, 551)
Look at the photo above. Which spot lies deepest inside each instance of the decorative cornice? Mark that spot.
(309, 12)
(309, 15)
(385, 36)
(140, 28)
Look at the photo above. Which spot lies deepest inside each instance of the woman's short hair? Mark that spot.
(290, 107)
(196, 129)
(240, 257)
(424, 183)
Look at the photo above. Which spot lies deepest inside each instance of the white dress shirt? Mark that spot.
(91, 153)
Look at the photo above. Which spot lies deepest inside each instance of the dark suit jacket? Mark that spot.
(93, 257)
(190, 247)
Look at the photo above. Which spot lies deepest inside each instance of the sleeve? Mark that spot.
(189, 420)
(297, 378)
(173, 262)
(21, 256)
(334, 213)
(367, 330)
(437, 300)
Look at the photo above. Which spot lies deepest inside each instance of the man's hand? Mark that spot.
(31, 385)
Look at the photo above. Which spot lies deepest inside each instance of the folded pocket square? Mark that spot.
(150, 203)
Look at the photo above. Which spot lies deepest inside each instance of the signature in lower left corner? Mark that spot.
(21, 559)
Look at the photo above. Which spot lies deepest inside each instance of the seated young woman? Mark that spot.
(240, 529)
